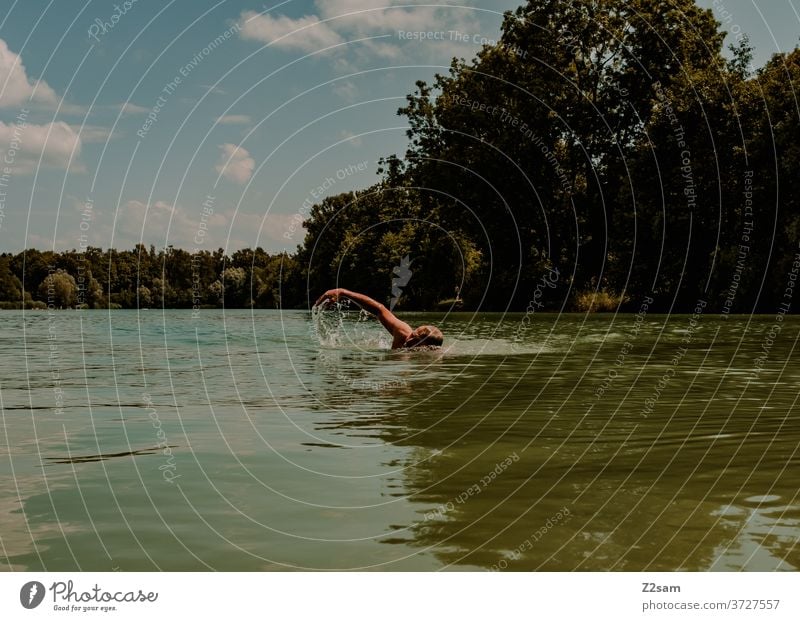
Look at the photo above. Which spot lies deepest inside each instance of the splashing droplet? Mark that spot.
(333, 326)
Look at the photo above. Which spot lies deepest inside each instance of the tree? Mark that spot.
(58, 289)
(10, 285)
(608, 138)
(145, 299)
(774, 157)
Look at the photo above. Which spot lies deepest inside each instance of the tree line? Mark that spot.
(610, 150)
(146, 277)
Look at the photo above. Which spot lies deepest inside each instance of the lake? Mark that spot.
(266, 440)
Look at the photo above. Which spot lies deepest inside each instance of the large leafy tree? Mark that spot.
(773, 142)
(532, 140)
(356, 240)
(10, 285)
(58, 290)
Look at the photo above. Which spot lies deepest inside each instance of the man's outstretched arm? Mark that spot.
(399, 330)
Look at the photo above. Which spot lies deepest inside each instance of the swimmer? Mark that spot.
(403, 335)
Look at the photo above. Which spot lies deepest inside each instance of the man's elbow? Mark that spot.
(383, 312)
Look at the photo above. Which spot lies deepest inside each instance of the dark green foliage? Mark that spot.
(142, 278)
(612, 140)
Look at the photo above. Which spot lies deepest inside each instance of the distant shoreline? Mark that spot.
(407, 313)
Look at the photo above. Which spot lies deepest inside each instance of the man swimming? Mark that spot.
(403, 336)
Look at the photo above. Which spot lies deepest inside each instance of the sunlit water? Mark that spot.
(267, 440)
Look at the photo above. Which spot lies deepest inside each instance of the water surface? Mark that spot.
(237, 441)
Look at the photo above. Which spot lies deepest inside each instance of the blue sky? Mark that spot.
(274, 104)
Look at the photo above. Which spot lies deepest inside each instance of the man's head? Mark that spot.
(424, 336)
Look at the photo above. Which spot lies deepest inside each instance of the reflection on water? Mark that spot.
(771, 528)
(82, 459)
(585, 447)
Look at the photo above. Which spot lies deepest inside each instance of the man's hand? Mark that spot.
(331, 295)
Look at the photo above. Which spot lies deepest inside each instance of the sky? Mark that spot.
(214, 124)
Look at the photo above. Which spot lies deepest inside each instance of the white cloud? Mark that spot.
(371, 15)
(131, 108)
(136, 222)
(235, 163)
(91, 133)
(346, 90)
(234, 119)
(53, 143)
(162, 224)
(15, 86)
(266, 230)
(214, 90)
(341, 20)
(306, 34)
(351, 138)
(166, 224)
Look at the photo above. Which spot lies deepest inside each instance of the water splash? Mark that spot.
(334, 325)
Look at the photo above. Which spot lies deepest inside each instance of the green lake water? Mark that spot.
(236, 440)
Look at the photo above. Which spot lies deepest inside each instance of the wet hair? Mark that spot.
(429, 336)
